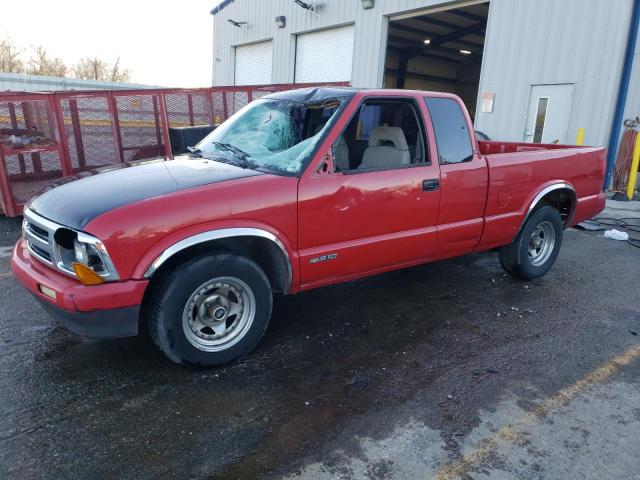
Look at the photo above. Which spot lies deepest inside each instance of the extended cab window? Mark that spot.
(382, 134)
(450, 126)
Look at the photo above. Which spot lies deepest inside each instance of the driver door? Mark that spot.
(370, 203)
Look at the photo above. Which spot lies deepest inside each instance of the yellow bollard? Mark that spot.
(633, 174)
(580, 137)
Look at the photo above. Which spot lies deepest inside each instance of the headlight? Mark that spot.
(85, 256)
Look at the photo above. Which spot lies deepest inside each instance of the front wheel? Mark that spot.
(535, 249)
(211, 310)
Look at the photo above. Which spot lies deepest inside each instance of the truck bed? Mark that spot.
(518, 171)
(495, 148)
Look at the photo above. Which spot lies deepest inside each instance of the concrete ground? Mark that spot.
(450, 370)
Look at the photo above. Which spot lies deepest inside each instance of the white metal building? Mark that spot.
(529, 70)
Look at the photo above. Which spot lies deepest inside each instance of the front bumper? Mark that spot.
(109, 310)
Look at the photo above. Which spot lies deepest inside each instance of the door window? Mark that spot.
(541, 116)
(382, 134)
(452, 133)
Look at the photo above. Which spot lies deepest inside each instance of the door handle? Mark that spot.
(430, 185)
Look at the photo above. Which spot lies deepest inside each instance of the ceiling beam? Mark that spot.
(408, 42)
(434, 21)
(424, 53)
(411, 47)
(422, 76)
(434, 37)
(475, 29)
(467, 15)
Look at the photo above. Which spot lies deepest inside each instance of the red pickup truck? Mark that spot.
(297, 190)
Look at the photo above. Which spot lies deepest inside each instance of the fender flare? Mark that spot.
(546, 190)
(220, 234)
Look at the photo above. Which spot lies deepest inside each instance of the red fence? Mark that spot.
(47, 136)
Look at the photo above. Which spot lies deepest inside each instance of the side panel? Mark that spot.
(267, 202)
(516, 178)
(463, 195)
(368, 221)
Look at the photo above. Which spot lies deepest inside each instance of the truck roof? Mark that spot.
(319, 94)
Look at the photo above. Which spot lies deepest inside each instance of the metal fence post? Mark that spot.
(63, 145)
(77, 132)
(165, 127)
(115, 125)
(192, 120)
(8, 202)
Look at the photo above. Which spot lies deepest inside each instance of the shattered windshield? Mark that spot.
(270, 133)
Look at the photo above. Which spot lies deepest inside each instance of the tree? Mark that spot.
(119, 74)
(97, 69)
(10, 61)
(42, 64)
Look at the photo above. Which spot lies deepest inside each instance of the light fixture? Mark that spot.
(427, 41)
(306, 6)
(465, 52)
(281, 21)
(367, 4)
(236, 24)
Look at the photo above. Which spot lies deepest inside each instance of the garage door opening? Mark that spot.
(439, 51)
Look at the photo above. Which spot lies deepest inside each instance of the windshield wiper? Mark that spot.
(240, 162)
(240, 154)
(195, 151)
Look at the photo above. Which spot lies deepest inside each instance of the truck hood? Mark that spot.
(77, 200)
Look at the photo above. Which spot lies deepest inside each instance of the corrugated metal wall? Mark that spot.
(370, 38)
(18, 82)
(528, 42)
(554, 41)
(632, 109)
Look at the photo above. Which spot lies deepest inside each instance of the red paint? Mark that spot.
(372, 221)
(71, 295)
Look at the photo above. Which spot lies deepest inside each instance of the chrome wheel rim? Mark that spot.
(541, 243)
(218, 314)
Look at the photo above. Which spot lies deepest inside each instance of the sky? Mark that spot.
(162, 42)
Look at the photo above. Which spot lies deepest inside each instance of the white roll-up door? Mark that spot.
(325, 56)
(254, 64)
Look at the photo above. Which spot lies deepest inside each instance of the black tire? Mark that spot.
(170, 321)
(515, 258)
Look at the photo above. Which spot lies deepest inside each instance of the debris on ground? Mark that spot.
(614, 234)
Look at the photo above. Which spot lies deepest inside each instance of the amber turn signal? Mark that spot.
(86, 275)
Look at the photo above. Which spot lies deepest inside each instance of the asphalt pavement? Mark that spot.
(449, 370)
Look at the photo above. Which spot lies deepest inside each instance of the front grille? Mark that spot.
(37, 231)
(39, 235)
(41, 253)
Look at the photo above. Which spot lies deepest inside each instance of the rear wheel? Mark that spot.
(211, 310)
(535, 249)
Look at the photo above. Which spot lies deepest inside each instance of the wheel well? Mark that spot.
(563, 200)
(263, 251)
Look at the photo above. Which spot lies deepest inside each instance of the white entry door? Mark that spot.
(549, 113)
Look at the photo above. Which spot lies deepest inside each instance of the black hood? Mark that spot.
(77, 200)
